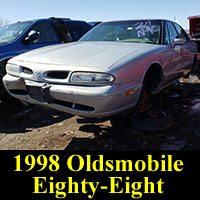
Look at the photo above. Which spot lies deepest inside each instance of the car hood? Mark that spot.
(85, 54)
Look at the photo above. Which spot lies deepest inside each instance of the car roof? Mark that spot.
(126, 20)
(47, 19)
(194, 17)
(65, 19)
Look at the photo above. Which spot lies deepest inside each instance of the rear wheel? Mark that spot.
(195, 68)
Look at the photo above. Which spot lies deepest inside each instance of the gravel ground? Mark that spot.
(37, 127)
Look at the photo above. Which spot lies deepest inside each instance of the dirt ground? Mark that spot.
(37, 127)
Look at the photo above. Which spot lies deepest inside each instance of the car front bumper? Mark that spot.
(85, 101)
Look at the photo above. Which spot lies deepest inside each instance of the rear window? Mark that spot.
(77, 29)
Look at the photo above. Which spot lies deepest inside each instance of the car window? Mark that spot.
(137, 31)
(63, 32)
(181, 32)
(166, 35)
(13, 31)
(172, 32)
(46, 33)
(77, 29)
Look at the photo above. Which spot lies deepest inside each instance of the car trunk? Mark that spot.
(194, 23)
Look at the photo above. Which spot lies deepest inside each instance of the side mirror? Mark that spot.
(31, 38)
(178, 41)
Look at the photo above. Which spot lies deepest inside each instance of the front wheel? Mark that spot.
(149, 104)
(148, 115)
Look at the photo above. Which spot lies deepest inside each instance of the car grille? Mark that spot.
(56, 74)
(49, 74)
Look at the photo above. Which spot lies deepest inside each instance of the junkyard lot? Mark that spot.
(38, 127)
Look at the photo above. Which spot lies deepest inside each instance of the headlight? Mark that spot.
(91, 77)
(12, 69)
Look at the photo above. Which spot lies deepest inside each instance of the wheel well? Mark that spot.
(153, 78)
(195, 60)
(2, 67)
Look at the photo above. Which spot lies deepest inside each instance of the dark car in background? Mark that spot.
(94, 23)
(194, 22)
(21, 37)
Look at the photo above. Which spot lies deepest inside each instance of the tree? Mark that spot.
(3, 22)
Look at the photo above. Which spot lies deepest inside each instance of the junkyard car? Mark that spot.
(24, 36)
(111, 69)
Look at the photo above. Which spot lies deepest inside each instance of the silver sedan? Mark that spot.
(117, 66)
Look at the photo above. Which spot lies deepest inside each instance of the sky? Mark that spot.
(101, 10)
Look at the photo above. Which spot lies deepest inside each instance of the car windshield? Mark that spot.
(13, 31)
(140, 31)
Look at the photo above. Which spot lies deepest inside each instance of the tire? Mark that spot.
(141, 123)
(195, 68)
(3, 92)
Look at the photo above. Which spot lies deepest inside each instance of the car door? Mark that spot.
(187, 58)
(47, 35)
(173, 53)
